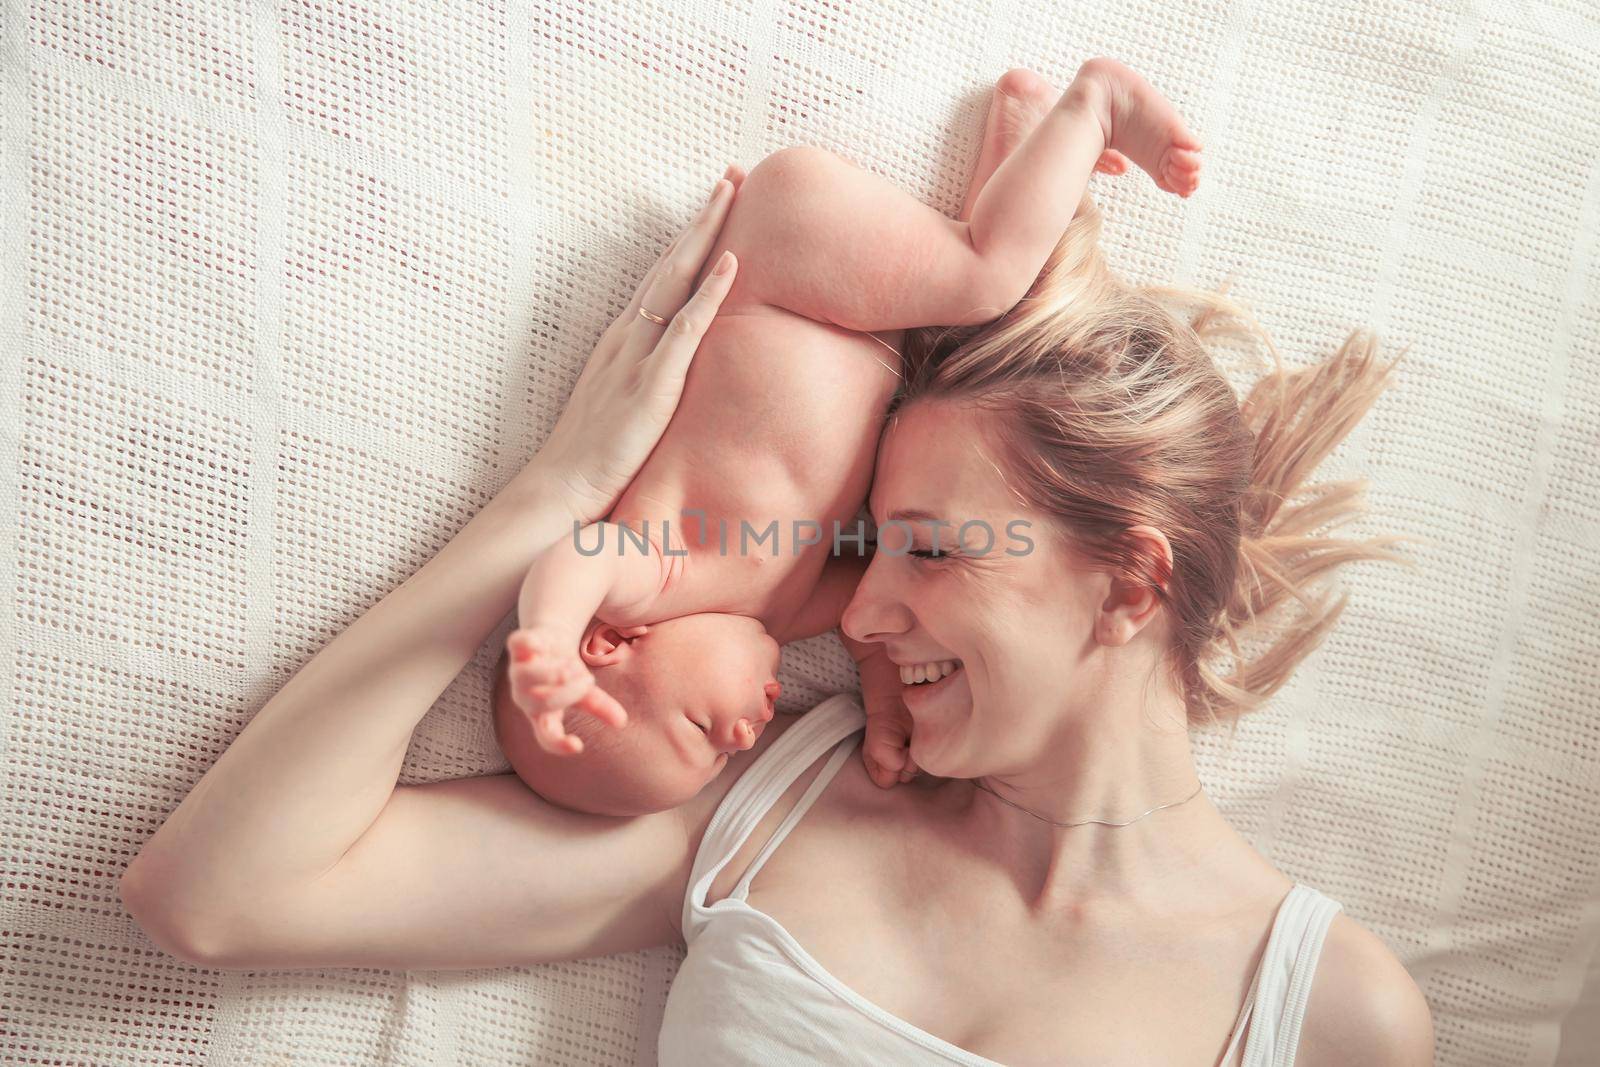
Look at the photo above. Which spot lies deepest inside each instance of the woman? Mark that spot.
(1061, 890)
(940, 920)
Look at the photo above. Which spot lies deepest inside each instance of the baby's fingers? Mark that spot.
(563, 693)
(552, 735)
(885, 763)
(603, 706)
(881, 776)
(544, 671)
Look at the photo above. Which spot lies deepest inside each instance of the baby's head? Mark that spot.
(696, 689)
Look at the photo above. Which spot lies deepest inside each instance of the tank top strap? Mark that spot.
(1282, 985)
(1230, 1058)
(841, 752)
(831, 724)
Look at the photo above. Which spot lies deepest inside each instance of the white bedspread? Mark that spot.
(290, 289)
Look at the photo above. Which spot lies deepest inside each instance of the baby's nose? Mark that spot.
(742, 735)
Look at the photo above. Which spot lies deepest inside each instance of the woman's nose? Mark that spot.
(873, 613)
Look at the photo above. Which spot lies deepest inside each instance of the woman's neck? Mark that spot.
(1127, 754)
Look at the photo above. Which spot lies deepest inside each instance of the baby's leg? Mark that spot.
(1019, 100)
(1032, 196)
(1140, 122)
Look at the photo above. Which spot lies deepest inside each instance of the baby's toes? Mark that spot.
(1112, 162)
(1182, 159)
(1180, 171)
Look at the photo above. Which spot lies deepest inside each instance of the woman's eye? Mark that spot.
(924, 553)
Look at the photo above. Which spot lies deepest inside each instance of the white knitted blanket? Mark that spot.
(289, 289)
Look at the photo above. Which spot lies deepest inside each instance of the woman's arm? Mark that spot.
(313, 771)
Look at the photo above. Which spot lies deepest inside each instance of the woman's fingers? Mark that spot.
(665, 291)
(670, 358)
(708, 221)
(622, 402)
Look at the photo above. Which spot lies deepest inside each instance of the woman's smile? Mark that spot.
(918, 693)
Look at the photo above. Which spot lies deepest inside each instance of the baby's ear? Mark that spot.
(606, 645)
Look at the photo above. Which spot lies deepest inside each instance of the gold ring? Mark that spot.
(657, 319)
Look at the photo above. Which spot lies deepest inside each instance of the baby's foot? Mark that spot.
(1141, 124)
(1020, 101)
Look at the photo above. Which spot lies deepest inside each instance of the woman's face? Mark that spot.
(1018, 618)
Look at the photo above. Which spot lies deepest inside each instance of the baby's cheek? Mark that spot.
(706, 777)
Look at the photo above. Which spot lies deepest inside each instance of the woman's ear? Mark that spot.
(605, 644)
(1130, 605)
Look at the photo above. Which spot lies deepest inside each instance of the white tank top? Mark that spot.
(749, 993)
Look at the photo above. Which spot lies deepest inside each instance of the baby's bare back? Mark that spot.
(778, 423)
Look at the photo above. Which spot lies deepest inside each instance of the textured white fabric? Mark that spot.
(289, 289)
(749, 993)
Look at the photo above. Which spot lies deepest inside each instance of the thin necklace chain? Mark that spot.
(1084, 822)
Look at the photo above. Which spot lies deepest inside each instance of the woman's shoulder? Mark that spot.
(1364, 1005)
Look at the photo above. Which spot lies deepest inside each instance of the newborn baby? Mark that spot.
(721, 549)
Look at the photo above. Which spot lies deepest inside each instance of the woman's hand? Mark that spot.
(632, 383)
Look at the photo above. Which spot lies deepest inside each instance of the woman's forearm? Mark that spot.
(312, 771)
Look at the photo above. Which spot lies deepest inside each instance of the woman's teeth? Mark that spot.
(928, 672)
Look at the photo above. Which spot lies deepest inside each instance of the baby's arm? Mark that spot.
(570, 582)
(886, 749)
(562, 593)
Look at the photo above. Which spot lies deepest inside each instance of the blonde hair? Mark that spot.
(1112, 413)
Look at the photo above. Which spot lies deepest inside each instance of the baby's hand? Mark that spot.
(547, 677)
(886, 751)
